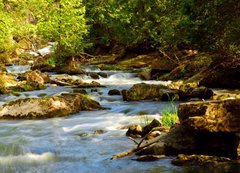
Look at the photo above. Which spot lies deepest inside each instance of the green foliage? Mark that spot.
(51, 61)
(169, 118)
(169, 115)
(208, 25)
(64, 23)
(6, 24)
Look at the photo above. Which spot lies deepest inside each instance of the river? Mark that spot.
(70, 144)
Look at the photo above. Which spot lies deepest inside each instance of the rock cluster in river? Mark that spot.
(206, 128)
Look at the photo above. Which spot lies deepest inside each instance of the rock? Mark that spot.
(69, 70)
(190, 65)
(223, 73)
(103, 59)
(79, 90)
(102, 74)
(43, 67)
(144, 91)
(195, 92)
(47, 107)
(84, 134)
(179, 139)
(94, 75)
(36, 77)
(134, 131)
(147, 158)
(145, 74)
(154, 60)
(193, 160)
(151, 74)
(94, 90)
(98, 132)
(114, 92)
(212, 116)
(68, 81)
(6, 81)
(151, 126)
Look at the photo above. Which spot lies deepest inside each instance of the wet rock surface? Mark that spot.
(144, 91)
(47, 107)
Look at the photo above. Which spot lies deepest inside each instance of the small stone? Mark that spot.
(134, 131)
(114, 92)
(149, 127)
(102, 74)
(94, 75)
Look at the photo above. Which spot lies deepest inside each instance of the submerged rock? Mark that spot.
(47, 107)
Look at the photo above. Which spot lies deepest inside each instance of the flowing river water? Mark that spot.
(70, 144)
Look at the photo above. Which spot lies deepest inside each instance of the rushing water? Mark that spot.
(69, 144)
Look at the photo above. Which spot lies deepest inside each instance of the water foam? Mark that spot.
(28, 158)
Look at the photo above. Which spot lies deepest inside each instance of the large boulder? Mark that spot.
(181, 139)
(212, 116)
(47, 107)
(223, 73)
(144, 91)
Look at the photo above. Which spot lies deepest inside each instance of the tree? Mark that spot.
(64, 23)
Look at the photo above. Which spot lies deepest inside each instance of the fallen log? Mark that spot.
(137, 148)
